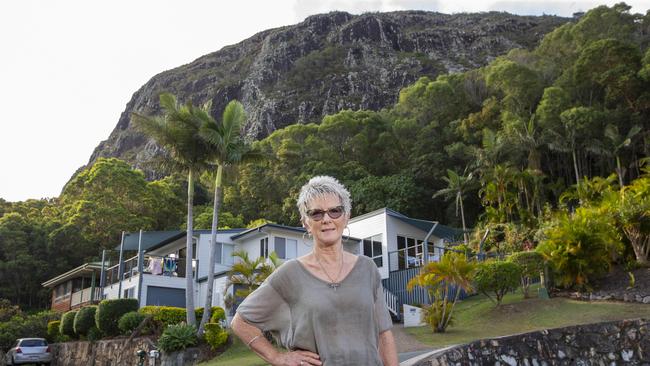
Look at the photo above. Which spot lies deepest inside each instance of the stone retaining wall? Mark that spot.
(612, 343)
(623, 295)
(116, 352)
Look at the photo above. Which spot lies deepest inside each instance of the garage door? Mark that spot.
(164, 296)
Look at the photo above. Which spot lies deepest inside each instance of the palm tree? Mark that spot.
(248, 274)
(613, 146)
(230, 149)
(457, 185)
(439, 279)
(177, 131)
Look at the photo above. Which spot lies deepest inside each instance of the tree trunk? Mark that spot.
(462, 217)
(207, 308)
(189, 281)
(575, 166)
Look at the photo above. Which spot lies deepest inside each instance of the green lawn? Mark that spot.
(236, 355)
(477, 318)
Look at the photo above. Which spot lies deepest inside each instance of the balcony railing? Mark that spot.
(155, 265)
(85, 296)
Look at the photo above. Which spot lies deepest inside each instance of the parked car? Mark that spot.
(29, 351)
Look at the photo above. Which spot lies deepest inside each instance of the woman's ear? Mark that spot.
(305, 225)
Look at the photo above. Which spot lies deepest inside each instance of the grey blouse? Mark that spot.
(303, 312)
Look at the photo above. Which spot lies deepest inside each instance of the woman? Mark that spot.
(326, 307)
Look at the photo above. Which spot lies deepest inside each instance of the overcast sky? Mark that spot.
(68, 68)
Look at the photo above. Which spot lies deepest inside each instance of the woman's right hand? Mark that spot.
(298, 358)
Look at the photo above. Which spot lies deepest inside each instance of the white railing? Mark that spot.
(84, 296)
(391, 301)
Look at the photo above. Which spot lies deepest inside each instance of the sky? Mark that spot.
(69, 67)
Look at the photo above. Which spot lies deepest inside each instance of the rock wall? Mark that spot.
(116, 352)
(624, 342)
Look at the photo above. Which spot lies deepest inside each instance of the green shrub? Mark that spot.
(215, 336)
(580, 247)
(94, 334)
(109, 313)
(129, 321)
(85, 320)
(67, 324)
(497, 278)
(218, 314)
(165, 315)
(433, 315)
(53, 333)
(177, 337)
(23, 326)
(531, 264)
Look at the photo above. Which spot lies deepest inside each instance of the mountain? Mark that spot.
(327, 63)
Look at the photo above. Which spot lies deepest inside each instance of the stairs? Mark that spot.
(392, 302)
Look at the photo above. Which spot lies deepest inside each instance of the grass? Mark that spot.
(236, 355)
(478, 318)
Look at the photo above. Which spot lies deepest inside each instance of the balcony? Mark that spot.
(153, 265)
(84, 296)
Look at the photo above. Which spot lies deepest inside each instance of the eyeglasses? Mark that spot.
(333, 213)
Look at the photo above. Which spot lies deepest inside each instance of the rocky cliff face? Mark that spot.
(329, 62)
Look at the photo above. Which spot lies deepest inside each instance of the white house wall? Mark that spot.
(371, 226)
(203, 252)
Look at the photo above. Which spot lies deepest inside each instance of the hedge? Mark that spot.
(53, 333)
(170, 315)
(129, 321)
(109, 313)
(85, 320)
(67, 324)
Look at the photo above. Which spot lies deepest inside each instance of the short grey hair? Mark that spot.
(319, 186)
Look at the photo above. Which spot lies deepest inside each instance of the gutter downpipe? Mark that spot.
(140, 268)
(120, 268)
(426, 242)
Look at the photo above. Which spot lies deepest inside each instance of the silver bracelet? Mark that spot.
(252, 340)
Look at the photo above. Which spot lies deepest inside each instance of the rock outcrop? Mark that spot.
(329, 62)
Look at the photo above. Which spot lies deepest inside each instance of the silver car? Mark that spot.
(29, 351)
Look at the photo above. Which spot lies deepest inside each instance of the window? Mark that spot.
(129, 293)
(286, 248)
(372, 248)
(264, 247)
(410, 252)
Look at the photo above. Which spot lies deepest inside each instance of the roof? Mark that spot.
(155, 239)
(86, 268)
(441, 231)
(298, 229)
(258, 229)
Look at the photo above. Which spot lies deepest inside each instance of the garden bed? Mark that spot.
(616, 286)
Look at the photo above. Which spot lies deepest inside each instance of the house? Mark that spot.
(157, 277)
(76, 288)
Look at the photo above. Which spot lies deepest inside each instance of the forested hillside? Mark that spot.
(524, 146)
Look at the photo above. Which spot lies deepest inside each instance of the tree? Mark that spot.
(613, 146)
(531, 264)
(498, 278)
(229, 149)
(247, 275)
(443, 281)
(457, 186)
(178, 132)
(632, 212)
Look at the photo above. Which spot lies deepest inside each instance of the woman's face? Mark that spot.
(327, 231)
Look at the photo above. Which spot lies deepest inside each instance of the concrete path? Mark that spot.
(408, 348)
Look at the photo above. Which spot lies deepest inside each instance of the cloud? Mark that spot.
(560, 8)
